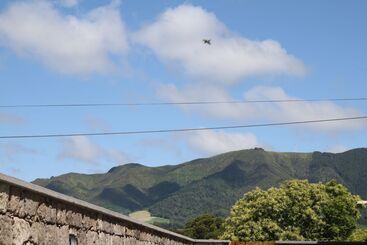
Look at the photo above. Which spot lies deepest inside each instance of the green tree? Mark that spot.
(297, 210)
(206, 226)
(359, 234)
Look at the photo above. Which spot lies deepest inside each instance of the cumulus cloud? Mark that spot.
(202, 92)
(337, 148)
(275, 112)
(69, 3)
(80, 148)
(205, 143)
(299, 111)
(176, 37)
(69, 44)
(215, 142)
(10, 118)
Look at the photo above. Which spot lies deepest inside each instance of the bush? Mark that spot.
(359, 235)
(206, 226)
(297, 210)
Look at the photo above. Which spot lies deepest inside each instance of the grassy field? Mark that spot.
(146, 217)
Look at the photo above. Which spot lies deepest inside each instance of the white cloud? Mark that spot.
(69, 44)
(215, 142)
(274, 112)
(176, 37)
(202, 92)
(300, 111)
(10, 118)
(69, 3)
(338, 148)
(80, 148)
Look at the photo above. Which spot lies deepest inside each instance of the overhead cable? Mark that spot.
(180, 103)
(181, 129)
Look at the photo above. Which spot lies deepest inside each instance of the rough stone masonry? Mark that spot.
(30, 214)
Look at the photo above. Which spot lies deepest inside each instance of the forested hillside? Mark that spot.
(209, 185)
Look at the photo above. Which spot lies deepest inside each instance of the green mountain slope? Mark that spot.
(183, 191)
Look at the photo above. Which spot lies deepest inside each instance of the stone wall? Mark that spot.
(30, 214)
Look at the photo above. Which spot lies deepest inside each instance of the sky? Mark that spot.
(89, 51)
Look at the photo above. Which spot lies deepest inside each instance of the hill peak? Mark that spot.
(127, 165)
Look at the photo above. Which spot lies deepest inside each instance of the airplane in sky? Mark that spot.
(207, 41)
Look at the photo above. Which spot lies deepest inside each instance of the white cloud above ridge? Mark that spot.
(176, 36)
(264, 112)
(216, 142)
(206, 142)
(68, 44)
(338, 148)
(81, 149)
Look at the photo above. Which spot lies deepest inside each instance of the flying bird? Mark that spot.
(207, 41)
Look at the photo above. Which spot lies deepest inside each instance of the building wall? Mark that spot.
(30, 214)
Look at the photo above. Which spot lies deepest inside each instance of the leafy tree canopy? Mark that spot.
(297, 210)
(206, 226)
(359, 234)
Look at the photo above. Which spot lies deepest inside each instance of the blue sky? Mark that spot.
(79, 51)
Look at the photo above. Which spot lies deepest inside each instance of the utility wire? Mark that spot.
(181, 129)
(180, 103)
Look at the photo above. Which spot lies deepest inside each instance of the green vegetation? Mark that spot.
(212, 185)
(359, 234)
(206, 226)
(297, 210)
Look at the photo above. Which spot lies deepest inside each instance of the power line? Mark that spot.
(179, 103)
(181, 129)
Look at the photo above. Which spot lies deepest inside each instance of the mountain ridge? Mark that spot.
(180, 192)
